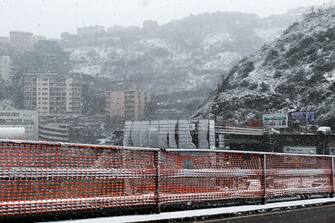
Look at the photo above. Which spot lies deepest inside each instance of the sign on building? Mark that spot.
(300, 149)
(276, 121)
(21, 118)
(303, 116)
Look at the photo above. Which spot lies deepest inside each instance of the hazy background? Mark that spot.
(51, 17)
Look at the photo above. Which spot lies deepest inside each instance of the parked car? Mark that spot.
(325, 130)
(272, 131)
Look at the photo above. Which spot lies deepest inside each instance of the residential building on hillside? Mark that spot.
(128, 105)
(47, 56)
(48, 86)
(21, 41)
(73, 95)
(90, 30)
(51, 94)
(21, 118)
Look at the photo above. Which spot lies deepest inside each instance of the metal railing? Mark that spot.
(239, 131)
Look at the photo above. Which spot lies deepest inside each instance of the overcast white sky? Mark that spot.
(51, 17)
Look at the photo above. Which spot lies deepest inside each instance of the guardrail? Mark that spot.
(239, 131)
(44, 178)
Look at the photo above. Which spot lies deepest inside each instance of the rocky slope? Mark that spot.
(296, 72)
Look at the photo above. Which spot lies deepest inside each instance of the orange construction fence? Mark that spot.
(47, 178)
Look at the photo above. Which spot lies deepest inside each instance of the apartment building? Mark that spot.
(52, 94)
(128, 105)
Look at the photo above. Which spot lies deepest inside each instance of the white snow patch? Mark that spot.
(330, 76)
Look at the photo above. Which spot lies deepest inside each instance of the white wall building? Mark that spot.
(21, 118)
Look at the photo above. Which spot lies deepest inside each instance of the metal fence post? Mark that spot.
(264, 176)
(157, 181)
(332, 177)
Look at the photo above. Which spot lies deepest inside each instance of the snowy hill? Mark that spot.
(184, 55)
(295, 72)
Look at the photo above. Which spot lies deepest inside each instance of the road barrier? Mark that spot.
(239, 131)
(46, 178)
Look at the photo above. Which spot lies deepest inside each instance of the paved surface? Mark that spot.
(323, 214)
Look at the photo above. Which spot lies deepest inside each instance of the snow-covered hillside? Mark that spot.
(189, 55)
(194, 51)
(295, 72)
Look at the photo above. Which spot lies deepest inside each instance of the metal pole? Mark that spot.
(306, 120)
(264, 176)
(157, 158)
(332, 178)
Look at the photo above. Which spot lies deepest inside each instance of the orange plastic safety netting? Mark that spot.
(289, 175)
(39, 178)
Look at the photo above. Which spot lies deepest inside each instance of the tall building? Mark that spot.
(48, 87)
(4, 68)
(21, 118)
(52, 94)
(127, 105)
(21, 40)
(73, 94)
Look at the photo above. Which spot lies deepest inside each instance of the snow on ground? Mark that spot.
(202, 212)
(214, 39)
(330, 76)
(269, 34)
(221, 61)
